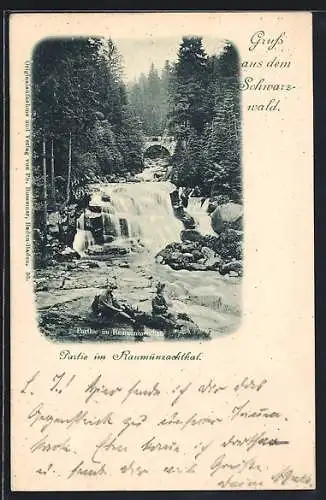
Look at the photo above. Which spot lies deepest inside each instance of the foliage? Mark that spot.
(149, 99)
(78, 93)
(205, 118)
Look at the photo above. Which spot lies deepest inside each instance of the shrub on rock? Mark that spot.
(211, 241)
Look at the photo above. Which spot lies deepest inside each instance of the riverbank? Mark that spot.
(137, 235)
(64, 294)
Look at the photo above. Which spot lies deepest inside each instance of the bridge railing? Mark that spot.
(159, 138)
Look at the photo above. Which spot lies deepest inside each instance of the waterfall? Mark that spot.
(83, 237)
(198, 211)
(140, 210)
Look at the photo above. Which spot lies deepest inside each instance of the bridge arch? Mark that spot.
(167, 143)
(156, 148)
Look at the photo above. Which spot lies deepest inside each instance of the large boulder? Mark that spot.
(228, 215)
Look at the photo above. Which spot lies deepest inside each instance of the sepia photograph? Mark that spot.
(137, 202)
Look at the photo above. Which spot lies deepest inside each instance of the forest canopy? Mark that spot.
(80, 110)
(197, 101)
(205, 118)
(88, 125)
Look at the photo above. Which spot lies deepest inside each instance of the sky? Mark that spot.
(138, 54)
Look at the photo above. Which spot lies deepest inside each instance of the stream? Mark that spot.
(137, 217)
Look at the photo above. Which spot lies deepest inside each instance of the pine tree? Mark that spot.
(188, 86)
(205, 117)
(80, 106)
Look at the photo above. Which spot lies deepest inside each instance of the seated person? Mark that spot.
(106, 305)
(159, 304)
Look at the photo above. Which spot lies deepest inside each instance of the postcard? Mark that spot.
(161, 210)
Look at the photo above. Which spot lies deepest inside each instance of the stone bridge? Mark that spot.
(164, 141)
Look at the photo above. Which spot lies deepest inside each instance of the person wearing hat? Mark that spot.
(159, 304)
(106, 305)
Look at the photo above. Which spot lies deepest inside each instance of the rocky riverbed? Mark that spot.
(143, 235)
(65, 291)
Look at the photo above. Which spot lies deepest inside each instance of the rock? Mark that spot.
(41, 285)
(213, 263)
(108, 238)
(216, 200)
(189, 222)
(159, 259)
(211, 242)
(226, 216)
(95, 208)
(207, 252)
(67, 254)
(71, 266)
(95, 249)
(190, 235)
(179, 212)
(234, 266)
(176, 256)
(195, 266)
(197, 255)
(177, 266)
(211, 259)
(186, 329)
(68, 251)
(51, 262)
(188, 256)
(90, 264)
(189, 247)
(167, 251)
(106, 198)
(116, 250)
(107, 249)
(175, 199)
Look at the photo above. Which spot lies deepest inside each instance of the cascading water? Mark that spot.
(198, 211)
(83, 237)
(140, 211)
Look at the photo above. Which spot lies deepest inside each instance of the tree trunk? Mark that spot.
(45, 192)
(53, 195)
(69, 171)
